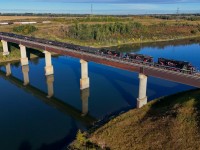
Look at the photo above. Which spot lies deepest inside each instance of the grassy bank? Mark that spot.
(171, 122)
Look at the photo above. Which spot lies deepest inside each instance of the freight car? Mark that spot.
(139, 57)
(109, 52)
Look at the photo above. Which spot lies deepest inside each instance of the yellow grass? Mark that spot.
(5, 18)
(169, 123)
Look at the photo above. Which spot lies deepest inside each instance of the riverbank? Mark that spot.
(14, 56)
(170, 122)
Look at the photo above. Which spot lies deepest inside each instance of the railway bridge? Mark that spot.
(85, 56)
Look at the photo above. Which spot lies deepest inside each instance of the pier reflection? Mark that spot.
(8, 69)
(84, 98)
(25, 71)
(50, 90)
(48, 98)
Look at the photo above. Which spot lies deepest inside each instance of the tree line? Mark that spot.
(101, 32)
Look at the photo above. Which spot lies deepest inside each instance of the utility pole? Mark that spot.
(177, 14)
(91, 9)
(177, 11)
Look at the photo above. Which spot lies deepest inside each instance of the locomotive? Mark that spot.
(177, 65)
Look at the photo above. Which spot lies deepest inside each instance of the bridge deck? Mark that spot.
(189, 79)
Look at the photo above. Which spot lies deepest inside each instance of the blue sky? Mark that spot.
(100, 6)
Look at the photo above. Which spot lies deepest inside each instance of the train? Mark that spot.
(169, 64)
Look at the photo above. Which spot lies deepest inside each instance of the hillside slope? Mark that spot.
(168, 123)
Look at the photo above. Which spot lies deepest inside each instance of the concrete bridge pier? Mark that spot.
(50, 89)
(24, 58)
(5, 48)
(84, 81)
(48, 68)
(25, 71)
(142, 98)
(8, 70)
(84, 98)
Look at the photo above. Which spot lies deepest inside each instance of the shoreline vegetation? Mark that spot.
(170, 122)
(107, 31)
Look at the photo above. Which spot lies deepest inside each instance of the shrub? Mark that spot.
(102, 32)
(194, 31)
(81, 138)
(25, 29)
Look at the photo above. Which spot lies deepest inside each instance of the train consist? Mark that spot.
(169, 64)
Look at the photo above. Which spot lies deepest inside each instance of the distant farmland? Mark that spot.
(7, 18)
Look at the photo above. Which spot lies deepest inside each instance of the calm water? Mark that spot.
(31, 121)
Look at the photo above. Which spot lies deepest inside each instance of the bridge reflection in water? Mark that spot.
(48, 98)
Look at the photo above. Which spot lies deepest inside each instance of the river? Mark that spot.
(32, 121)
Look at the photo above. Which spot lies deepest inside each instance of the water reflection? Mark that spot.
(84, 98)
(136, 47)
(8, 69)
(25, 71)
(51, 100)
(50, 80)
